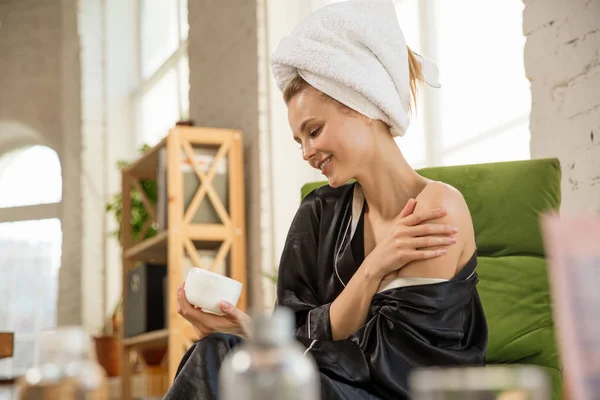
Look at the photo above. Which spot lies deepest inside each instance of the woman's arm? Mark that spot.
(350, 309)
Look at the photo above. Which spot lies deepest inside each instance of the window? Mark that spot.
(24, 165)
(485, 98)
(30, 250)
(162, 97)
(481, 113)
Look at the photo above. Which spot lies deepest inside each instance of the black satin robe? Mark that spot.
(407, 327)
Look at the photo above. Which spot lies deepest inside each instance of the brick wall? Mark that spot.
(562, 61)
(264, 132)
(81, 297)
(30, 40)
(69, 288)
(91, 26)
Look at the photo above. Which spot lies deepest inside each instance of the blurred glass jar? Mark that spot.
(68, 369)
(270, 365)
(480, 383)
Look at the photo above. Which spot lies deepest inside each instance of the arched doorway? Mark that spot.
(30, 249)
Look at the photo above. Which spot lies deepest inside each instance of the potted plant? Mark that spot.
(108, 351)
(139, 214)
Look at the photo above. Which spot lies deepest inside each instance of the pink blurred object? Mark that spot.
(573, 253)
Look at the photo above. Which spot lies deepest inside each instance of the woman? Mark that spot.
(380, 272)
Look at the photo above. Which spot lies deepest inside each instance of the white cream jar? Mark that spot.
(206, 289)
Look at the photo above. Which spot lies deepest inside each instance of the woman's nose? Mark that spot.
(308, 152)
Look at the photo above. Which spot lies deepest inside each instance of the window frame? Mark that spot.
(145, 85)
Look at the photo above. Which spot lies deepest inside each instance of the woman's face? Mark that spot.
(333, 138)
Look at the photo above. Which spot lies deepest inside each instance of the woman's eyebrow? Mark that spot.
(305, 122)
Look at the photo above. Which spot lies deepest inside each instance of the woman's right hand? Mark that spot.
(410, 239)
(234, 321)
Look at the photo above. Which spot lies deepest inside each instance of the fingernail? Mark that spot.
(453, 229)
(225, 305)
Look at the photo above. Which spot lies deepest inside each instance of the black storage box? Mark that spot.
(145, 299)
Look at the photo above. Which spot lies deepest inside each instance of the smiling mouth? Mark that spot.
(324, 163)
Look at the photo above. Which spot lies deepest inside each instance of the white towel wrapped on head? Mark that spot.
(355, 52)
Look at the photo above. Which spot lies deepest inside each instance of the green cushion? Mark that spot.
(514, 291)
(505, 200)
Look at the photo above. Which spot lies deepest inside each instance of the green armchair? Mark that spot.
(505, 200)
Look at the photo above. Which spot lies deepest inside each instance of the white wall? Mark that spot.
(90, 17)
(107, 59)
(562, 60)
(120, 79)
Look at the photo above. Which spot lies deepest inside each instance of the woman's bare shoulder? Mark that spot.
(437, 190)
(441, 195)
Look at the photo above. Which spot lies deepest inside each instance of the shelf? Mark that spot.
(174, 246)
(204, 237)
(153, 249)
(147, 165)
(207, 232)
(148, 340)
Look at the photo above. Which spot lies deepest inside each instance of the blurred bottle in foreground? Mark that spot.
(572, 245)
(493, 382)
(68, 369)
(271, 365)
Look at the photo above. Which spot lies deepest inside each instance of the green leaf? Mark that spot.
(138, 215)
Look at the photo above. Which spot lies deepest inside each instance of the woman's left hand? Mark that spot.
(234, 321)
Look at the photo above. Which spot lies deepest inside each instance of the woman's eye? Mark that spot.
(315, 132)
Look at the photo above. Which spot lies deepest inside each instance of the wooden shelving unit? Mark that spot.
(182, 236)
(148, 340)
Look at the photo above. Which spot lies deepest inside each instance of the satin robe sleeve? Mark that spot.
(297, 285)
